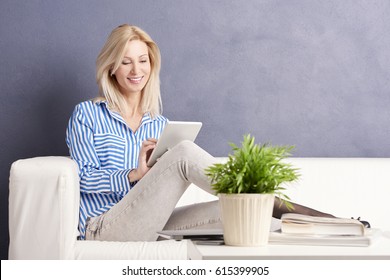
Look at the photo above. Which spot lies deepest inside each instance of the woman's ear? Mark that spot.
(111, 71)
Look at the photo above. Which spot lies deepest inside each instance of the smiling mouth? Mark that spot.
(135, 80)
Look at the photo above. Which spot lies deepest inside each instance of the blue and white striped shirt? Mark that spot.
(106, 150)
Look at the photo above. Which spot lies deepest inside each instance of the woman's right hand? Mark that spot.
(146, 148)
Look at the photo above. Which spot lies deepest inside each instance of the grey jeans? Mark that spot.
(150, 206)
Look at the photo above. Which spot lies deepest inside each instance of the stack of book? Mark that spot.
(297, 229)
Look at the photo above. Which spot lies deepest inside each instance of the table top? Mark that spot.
(379, 250)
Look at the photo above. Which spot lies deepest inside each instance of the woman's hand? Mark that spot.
(146, 149)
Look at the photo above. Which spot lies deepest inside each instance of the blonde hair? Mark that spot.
(109, 60)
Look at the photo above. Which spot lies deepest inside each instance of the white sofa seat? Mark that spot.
(44, 204)
(345, 187)
(43, 217)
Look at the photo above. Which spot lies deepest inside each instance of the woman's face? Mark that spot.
(134, 72)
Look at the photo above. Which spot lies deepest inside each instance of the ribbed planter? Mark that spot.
(246, 218)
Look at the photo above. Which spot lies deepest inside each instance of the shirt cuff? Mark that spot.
(120, 180)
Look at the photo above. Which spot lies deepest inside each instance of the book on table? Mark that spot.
(297, 229)
(280, 238)
(302, 224)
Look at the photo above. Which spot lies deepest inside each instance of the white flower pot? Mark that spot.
(246, 218)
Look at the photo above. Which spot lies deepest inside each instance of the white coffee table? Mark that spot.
(379, 250)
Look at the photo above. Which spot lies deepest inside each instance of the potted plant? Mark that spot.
(246, 185)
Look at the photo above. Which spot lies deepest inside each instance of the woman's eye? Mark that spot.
(126, 62)
(143, 61)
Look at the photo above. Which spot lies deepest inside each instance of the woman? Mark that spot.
(110, 137)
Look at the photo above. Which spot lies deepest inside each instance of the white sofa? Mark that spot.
(44, 199)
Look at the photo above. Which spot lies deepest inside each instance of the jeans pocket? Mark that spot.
(94, 224)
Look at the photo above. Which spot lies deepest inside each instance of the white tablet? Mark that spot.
(174, 132)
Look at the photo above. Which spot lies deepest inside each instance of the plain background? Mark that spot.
(314, 74)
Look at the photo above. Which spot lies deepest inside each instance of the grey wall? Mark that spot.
(315, 74)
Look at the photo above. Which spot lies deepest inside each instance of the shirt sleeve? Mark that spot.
(93, 179)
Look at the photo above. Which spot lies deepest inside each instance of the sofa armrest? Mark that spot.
(43, 208)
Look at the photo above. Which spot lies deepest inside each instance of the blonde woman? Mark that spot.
(122, 199)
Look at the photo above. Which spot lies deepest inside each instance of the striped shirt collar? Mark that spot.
(146, 118)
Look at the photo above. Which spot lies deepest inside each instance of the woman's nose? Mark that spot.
(134, 69)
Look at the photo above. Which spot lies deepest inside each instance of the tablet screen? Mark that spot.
(173, 133)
